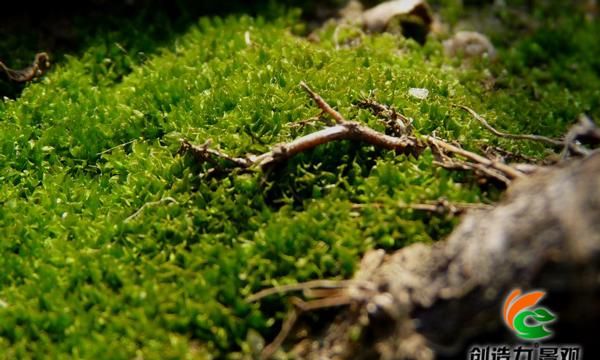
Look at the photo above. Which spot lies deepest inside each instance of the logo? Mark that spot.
(527, 321)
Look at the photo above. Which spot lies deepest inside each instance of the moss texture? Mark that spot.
(124, 251)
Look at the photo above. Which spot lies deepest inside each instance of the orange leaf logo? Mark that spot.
(516, 310)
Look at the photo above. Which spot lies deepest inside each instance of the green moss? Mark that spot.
(135, 252)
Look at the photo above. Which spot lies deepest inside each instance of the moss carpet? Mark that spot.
(113, 245)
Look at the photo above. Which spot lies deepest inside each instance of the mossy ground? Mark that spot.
(82, 278)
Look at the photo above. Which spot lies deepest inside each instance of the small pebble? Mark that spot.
(470, 44)
(418, 93)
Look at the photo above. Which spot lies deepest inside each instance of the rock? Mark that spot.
(413, 16)
(469, 44)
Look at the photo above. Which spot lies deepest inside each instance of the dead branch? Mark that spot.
(585, 131)
(149, 204)
(498, 133)
(328, 294)
(301, 306)
(497, 152)
(117, 147)
(204, 153)
(352, 130)
(315, 284)
(478, 169)
(396, 124)
(309, 121)
(322, 104)
(286, 327)
(40, 64)
(441, 207)
(483, 162)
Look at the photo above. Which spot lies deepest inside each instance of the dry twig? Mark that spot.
(116, 147)
(204, 153)
(148, 204)
(585, 131)
(351, 130)
(396, 124)
(496, 132)
(315, 284)
(441, 207)
(40, 64)
(329, 293)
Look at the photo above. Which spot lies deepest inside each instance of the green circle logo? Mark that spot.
(524, 319)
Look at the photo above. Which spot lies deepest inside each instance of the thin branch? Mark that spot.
(352, 130)
(449, 208)
(314, 284)
(116, 147)
(396, 123)
(347, 130)
(484, 122)
(304, 122)
(322, 104)
(288, 325)
(469, 166)
(148, 204)
(322, 293)
(204, 153)
(311, 120)
(301, 306)
(283, 152)
(327, 302)
(500, 153)
(441, 206)
(507, 170)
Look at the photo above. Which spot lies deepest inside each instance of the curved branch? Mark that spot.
(496, 132)
(353, 130)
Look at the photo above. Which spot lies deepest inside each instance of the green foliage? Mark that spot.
(113, 243)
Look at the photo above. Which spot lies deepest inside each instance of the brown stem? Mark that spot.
(204, 153)
(301, 306)
(484, 122)
(322, 104)
(441, 206)
(287, 326)
(469, 166)
(507, 170)
(315, 284)
(352, 130)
